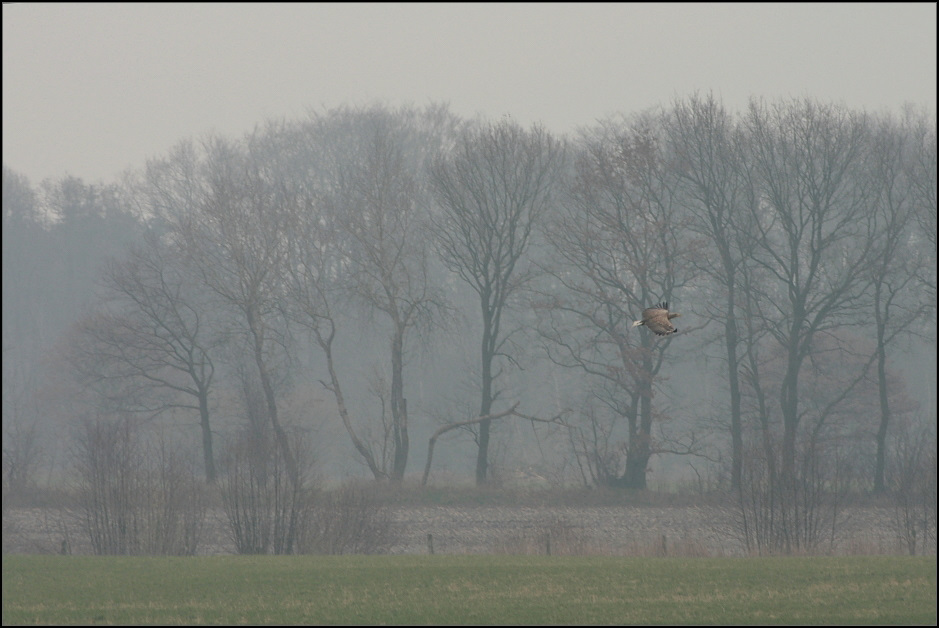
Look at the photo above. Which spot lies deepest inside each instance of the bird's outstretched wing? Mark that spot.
(655, 311)
(661, 326)
(657, 320)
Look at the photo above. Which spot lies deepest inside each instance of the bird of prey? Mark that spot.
(658, 319)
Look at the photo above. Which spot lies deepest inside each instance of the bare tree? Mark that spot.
(703, 136)
(812, 228)
(899, 259)
(315, 272)
(620, 247)
(233, 235)
(493, 190)
(150, 348)
(923, 180)
(374, 195)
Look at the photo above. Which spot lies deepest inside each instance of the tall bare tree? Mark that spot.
(620, 246)
(359, 243)
(231, 229)
(378, 203)
(150, 348)
(315, 275)
(900, 255)
(923, 181)
(704, 137)
(493, 190)
(812, 232)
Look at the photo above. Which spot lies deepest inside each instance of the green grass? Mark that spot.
(506, 590)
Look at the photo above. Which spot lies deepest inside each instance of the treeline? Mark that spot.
(797, 238)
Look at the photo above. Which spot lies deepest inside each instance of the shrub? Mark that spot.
(349, 520)
(913, 489)
(133, 495)
(264, 507)
(799, 514)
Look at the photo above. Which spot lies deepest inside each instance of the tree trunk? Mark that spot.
(207, 453)
(637, 461)
(789, 406)
(271, 401)
(880, 464)
(733, 376)
(640, 443)
(485, 405)
(326, 345)
(399, 411)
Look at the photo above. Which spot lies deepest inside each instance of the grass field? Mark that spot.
(507, 590)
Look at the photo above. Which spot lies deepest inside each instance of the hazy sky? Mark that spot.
(92, 89)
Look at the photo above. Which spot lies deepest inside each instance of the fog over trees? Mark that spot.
(322, 295)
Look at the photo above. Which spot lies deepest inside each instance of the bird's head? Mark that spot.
(673, 315)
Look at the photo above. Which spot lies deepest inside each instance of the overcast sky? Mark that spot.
(92, 89)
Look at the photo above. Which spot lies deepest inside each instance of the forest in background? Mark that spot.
(346, 294)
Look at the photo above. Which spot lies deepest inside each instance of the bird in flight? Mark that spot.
(658, 319)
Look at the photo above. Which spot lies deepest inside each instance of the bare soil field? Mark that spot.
(643, 530)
